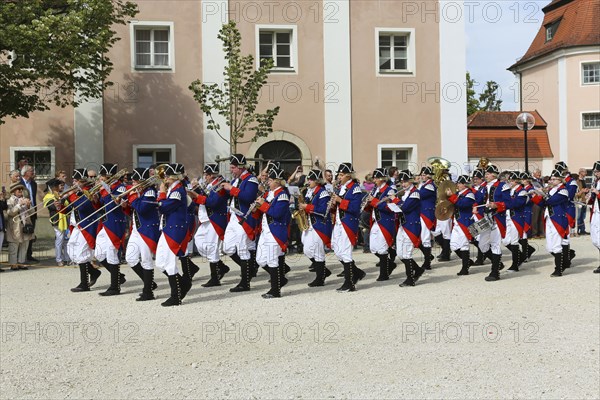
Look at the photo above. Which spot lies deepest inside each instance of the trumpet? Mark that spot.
(99, 186)
(202, 186)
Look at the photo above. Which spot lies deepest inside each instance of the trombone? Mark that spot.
(98, 186)
(35, 209)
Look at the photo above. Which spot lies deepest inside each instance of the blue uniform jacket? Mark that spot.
(515, 205)
(385, 218)
(216, 209)
(320, 222)
(410, 217)
(496, 192)
(242, 198)
(480, 199)
(428, 193)
(349, 210)
(463, 209)
(115, 220)
(84, 208)
(278, 216)
(572, 188)
(173, 207)
(527, 211)
(557, 205)
(145, 216)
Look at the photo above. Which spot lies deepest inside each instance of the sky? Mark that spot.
(498, 34)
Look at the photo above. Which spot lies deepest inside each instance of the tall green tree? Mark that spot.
(488, 100)
(238, 99)
(52, 49)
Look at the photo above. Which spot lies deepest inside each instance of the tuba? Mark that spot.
(443, 182)
(299, 215)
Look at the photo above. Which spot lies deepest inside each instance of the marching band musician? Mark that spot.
(111, 236)
(188, 267)
(513, 203)
(212, 214)
(240, 232)
(172, 244)
(557, 223)
(490, 241)
(480, 191)
(145, 232)
(428, 192)
(572, 188)
(461, 238)
(318, 234)
(275, 223)
(346, 208)
(527, 250)
(383, 222)
(82, 241)
(594, 200)
(409, 232)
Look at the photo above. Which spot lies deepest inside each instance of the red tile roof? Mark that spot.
(493, 134)
(578, 27)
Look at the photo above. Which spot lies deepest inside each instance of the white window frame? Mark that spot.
(411, 63)
(581, 64)
(581, 120)
(152, 25)
(412, 149)
(13, 161)
(556, 24)
(293, 30)
(153, 147)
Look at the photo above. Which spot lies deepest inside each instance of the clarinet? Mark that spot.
(336, 191)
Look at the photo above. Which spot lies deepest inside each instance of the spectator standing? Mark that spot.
(16, 236)
(3, 207)
(28, 181)
(57, 220)
(328, 180)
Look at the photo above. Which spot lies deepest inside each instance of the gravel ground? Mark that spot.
(526, 336)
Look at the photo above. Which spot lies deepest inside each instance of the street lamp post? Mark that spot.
(525, 122)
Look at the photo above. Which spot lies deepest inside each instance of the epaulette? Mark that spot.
(415, 195)
(253, 180)
(324, 194)
(283, 196)
(356, 190)
(470, 195)
(429, 186)
(121, 189)
(564, 192)
(150, 193)
(175, 195)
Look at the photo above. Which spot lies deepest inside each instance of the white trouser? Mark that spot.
(444, 228)
(554, 241)
(425, 234)
(313, 245)
(404, 246)
(268, 250)
(595, 230)
(377, 242)
(208, 242)
(105, 249)
(340, 243)
(78, 249)
(166, 260)
(459, 240)
(512, 234)
(491, 240)
(138, 251)
(236, 240)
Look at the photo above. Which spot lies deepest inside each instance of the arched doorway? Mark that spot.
(282, 151)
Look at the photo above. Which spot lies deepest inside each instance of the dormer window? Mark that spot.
(551, 29)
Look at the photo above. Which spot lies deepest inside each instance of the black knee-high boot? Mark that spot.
(236, 259)
(516, 257)
(480, 256)
(244, 284)
(558, 264)
(115, 280)
(495, 273)
(186, 277)
(357, 273)
(410, 279)
(194, 269)
(384, 273)
(253, 264)
(568, 255)
(445, 255)
(94, 273)
(427, 257)
(84, 285)
(321, 271)
(392, 263)
(312, 265)
(175, 284)
(466, 262)
(222, 269)
(276, 274)
(147, 292)
(283, 269)
(348, 285)
(214, 276)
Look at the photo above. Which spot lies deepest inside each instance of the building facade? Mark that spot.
(378, 83)
(560, 77)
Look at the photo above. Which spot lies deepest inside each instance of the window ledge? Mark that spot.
(138, 68)
(395, 73)
(283, 70)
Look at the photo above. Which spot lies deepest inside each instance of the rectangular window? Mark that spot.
(41, 160)
(152, 46)
(551, 29)
(591, 73)
(395, 158)
(395, 52)
(591, 120)
(279, 44)
(148, 154)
